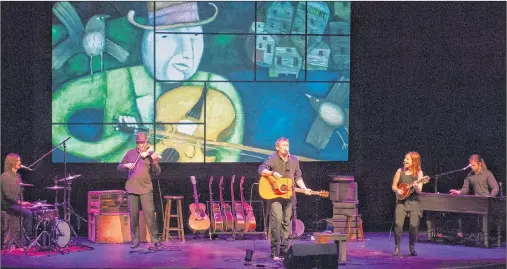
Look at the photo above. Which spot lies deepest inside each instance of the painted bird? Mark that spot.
(94, 39)
(81, 39)
(331, 115)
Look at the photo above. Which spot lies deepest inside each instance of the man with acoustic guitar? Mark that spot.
(281, 165)
(410, 175)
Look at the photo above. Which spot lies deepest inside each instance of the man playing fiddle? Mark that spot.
(140, 162)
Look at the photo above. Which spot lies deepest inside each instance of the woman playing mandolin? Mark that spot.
(407, 183)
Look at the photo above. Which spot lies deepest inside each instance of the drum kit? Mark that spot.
(51, 232)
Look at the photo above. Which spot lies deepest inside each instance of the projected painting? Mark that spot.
(215, 81)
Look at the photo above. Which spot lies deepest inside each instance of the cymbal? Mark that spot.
(69, 178)
(55, 188)
(26, 185)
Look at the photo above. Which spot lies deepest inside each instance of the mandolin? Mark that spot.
(250, 222)
(226, 209)
(271, 188)
(239, 218)
(198, 220)
(408, 188)
(216, 220)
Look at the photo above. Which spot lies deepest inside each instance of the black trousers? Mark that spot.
(412, 209)
(279, 220)
(146, 201)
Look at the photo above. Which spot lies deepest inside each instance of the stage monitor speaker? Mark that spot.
(312, 256)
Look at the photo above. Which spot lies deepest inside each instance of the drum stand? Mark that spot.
(67, 213)
(47, 241)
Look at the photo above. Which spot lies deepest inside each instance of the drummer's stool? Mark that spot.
(179, 218)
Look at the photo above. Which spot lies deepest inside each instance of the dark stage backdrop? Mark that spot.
(426, 76)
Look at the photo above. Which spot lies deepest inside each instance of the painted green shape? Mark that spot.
(222, 41)
(58, 34)
(111, 91)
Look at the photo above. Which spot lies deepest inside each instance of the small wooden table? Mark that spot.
(323, 238)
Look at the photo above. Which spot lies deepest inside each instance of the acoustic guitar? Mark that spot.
(250, 222)
(226, 209)
(271, 188)
(239, 218)
(408, 188)
(216, 220)
(198, 220)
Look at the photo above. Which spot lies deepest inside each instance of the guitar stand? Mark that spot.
(233, 233)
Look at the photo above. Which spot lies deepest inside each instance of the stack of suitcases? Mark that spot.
(343, 194)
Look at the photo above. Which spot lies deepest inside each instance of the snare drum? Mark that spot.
(46, 213)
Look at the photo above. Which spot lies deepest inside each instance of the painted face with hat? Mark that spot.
(177, 55)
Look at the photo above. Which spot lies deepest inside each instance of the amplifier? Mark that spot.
(343, 191)
(111, 201)
(115, 228)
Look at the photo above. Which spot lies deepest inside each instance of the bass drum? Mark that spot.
(61, 233)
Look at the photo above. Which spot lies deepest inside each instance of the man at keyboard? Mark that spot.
(480, 179)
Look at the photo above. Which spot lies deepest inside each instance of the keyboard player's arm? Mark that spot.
(464, 190)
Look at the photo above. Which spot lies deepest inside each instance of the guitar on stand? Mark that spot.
(239, 218)
(226, 209)
(250, 222)
(217, 221)
(198, 220)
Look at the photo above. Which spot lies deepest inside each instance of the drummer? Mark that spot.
(11, 202)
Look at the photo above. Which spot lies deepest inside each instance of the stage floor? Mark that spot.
(374, 252)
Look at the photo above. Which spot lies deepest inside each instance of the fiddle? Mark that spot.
(150, 151)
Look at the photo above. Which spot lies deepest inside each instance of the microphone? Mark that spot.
(468, 166)
(25, 167)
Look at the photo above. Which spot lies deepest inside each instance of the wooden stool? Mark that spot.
(349, 220)
(179, 218)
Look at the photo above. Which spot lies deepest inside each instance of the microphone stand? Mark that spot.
(53, 149)
(444, 174)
